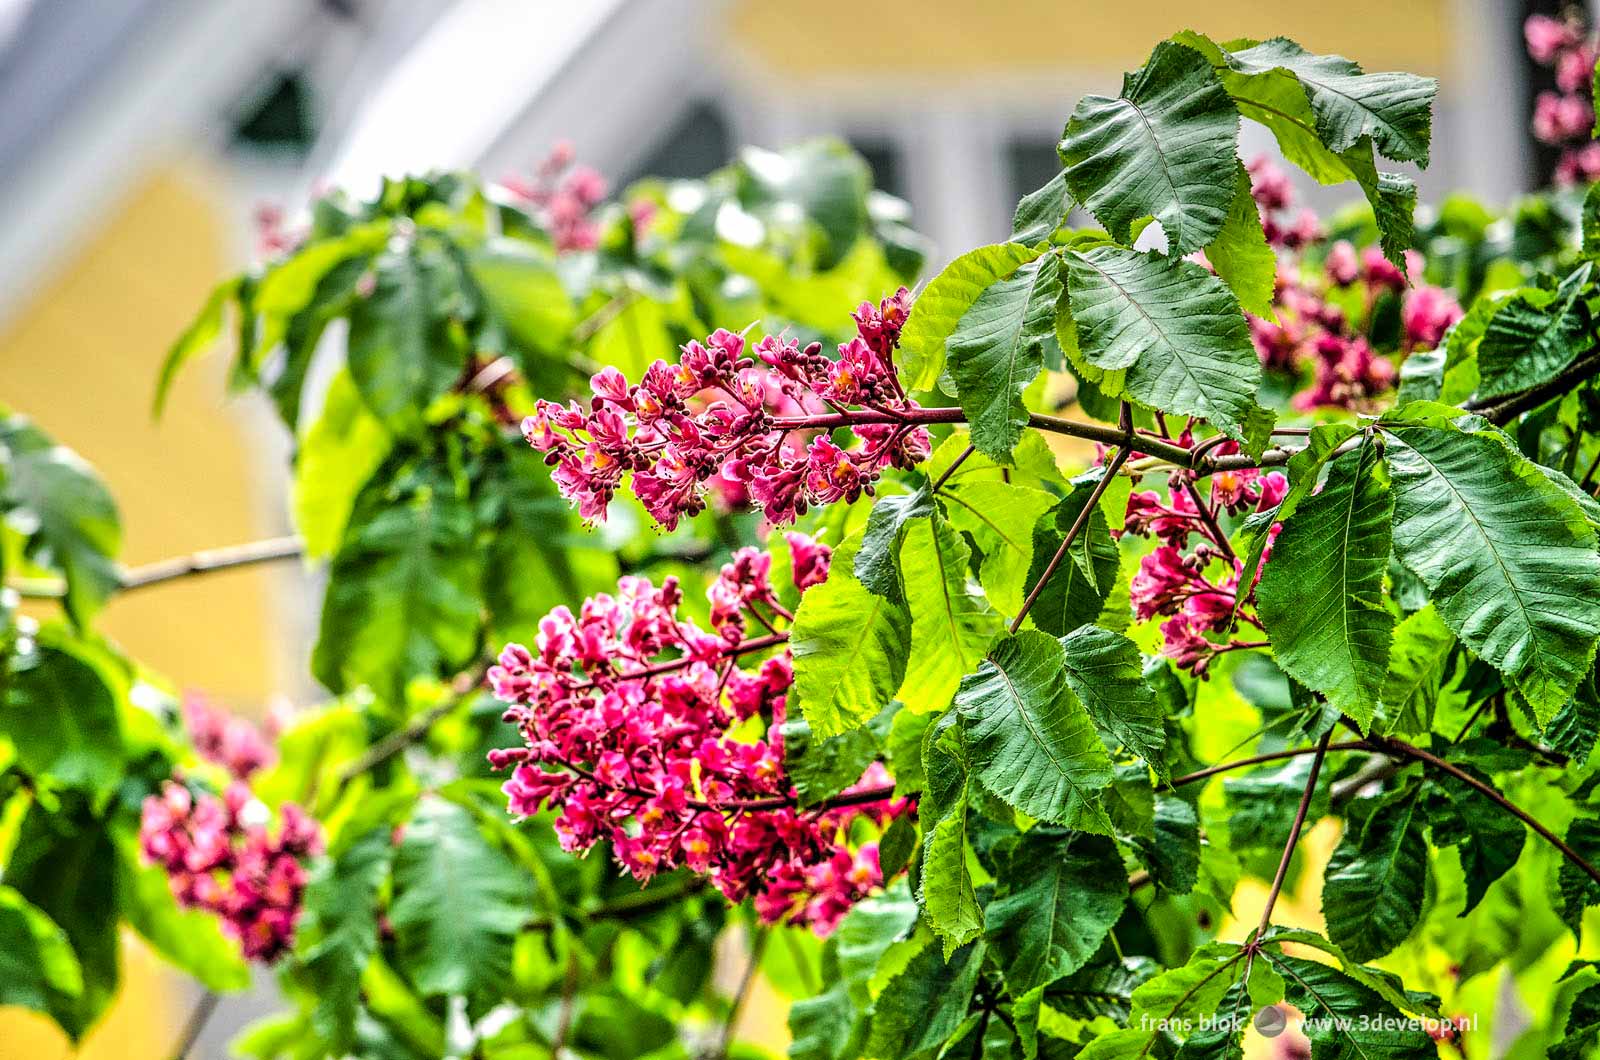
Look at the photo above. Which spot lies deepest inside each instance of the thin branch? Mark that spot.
(725, 1038)
(1214, 528)
(951, 470)
(207, 561)
(1294, 834)
(569, 1004)
(1270, 756)
(1502, 410)
(461, 689)
(1066, 542)
(196, 1024)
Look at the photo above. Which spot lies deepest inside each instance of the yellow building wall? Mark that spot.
(81, 360)
(870, 39)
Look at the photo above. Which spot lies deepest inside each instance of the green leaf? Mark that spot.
(1321, 597)
(1164, 149)
(1060, 897)
(945, 890)
(940, 307)
(1041, 212)
(923, 1005)
(1417, 660)
(1000, 516)
(850, 648)
(1534, 335)
(1180, 996)
(951, 626)
(458, 903)
(336, 456)
(38, 969)
(1171, 852)
(996, 350)
(1106, 671)
(1340, 1014)
(401, 351)
(1489, 839)
(1372, 894)
(823, 180)
(1031, 741)
(339, 933)
(1304, 471)
(62, 714)
(198, 337)
(1573, 730)
(820, 769)
(1393, 197)
(402, 598)
(1578, 890)
(1240, 253)
(524, 292)
(65, 865)
(1507, 558)
(64, 513)
(1394, 109)
(1078, 587)
(1173, 327)
(877, 564)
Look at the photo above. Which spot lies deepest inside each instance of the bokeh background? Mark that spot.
(139, 139)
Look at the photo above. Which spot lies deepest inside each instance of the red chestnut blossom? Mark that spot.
(752, 421)
(219, 856)
(230, 742)
(1180, 585)
(1314, 331)
(563, 195)
(658, 755)
(1564, 118)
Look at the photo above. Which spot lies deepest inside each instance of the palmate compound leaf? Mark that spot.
(1321, 597)
(1165, 149)
(942, 304)
(1060, 894)
(996, 350)
(1372, 894)
(850, 649)
(1030, 740)
(1507, 557)
(458, 902)
(403, 591)
(1173, 330)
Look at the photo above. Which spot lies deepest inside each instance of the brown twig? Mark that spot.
(206, 561)
(951, 470)
(461, 689)
(196, 1024)
(1294, 834)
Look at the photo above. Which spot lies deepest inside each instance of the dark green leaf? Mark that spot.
(1534, 335)
(1372, 895)
(61, 714)
(1060, 896)
(942, 304)
(37, 967)
(1106, 671)
(1489, 839)
(1031, 741)
(1163, 149)
(924, 1004)
(401, 351)
(1175, 329)
(1321, 598)
(995, 352)
(1041, 212)
(1077, 590)
(1508, 559)
(339, 932)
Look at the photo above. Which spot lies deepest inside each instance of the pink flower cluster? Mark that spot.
(1564, 118)
(660, 758)
(220, 856)
(758, 425)
(564, 195)
(230, 742)
(1181, 584)
(1314, 327)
